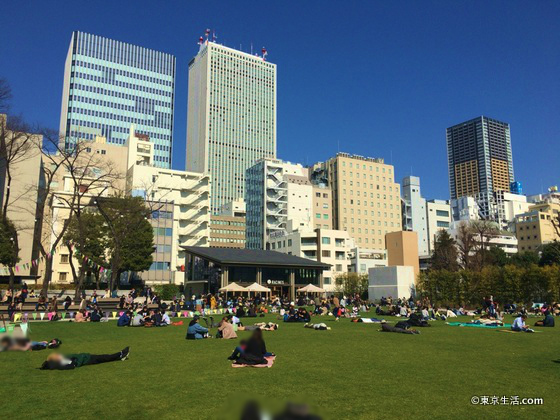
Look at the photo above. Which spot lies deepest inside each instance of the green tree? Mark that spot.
(524, 259)
(8, 246)
(496, 256)
(445, 252)
(352, 283)
(88, 236)
(550, 254)
(131, 236)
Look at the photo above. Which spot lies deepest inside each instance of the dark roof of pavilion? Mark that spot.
(258, 257)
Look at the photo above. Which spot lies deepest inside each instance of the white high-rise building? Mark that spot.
(231, 119)
(279, 198)
(414, 212)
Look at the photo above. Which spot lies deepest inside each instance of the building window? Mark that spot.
(64, 259)
(326, 254)
(62, 276)
(326, 241)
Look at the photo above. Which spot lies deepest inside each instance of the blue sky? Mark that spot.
(375, 78)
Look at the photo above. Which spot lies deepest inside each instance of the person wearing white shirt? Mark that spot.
(519, 324)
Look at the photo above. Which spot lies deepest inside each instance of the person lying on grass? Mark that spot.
(519, 324)
(265, 326)
(24, 344)
(390, 328)
(57, 361)
(321, 326)
(196, 331)
(253, 353)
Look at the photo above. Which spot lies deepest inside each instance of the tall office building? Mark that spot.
(231, 120)
(109, 85)
(366, 199)
(479, 157)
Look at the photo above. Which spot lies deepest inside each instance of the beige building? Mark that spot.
(402, 249)
(227, 231)
(535, 228)
(365, 198)
(179, 202)
(322, 208)
(25, 173)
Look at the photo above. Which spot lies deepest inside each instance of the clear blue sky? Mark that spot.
(378, 78)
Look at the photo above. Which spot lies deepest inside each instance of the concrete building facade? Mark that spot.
(414, 216)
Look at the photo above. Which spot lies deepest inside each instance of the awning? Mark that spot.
(233, 287)
(310, 288)
(255, 287)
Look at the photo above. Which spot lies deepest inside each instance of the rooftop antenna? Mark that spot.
(251, 47)
(207, 32)
(214, 36)
(264, 53)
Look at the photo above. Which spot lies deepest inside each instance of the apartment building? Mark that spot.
(535, 228)
(366, 199)
(438, 217)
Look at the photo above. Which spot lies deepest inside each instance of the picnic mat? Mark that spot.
(270, 361)
(467, 324)
(511, 331)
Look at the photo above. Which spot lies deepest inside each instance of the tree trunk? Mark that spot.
(48, 274)
(97, 283)
(12, 278)
(79, 284)
(72, 267)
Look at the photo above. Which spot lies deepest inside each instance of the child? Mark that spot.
(239, 350)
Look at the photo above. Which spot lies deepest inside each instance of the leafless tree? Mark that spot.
(484, 231)
(5, 95)
(17, 144)
(74, 177)
(466, 245)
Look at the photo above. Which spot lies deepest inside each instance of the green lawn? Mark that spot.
(350, 372)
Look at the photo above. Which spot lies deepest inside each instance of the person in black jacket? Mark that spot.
(57, 361)
(255, 351)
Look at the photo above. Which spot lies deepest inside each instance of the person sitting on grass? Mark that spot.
(548, 320)
(81, 316)
(24, 344)
(226, 330)
(255, 351)
(124, 320)
(196, 331)
(519, 324)
(239, 350)
(57, 361)
(163, 319)
(137, 320)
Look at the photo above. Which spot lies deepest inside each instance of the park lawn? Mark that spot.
(350, 372)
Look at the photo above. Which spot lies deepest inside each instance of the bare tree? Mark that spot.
(73, 178)
(17, 145)
(5, 95)
(466, 245)
(484, 231)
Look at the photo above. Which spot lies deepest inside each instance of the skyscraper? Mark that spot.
(231, 120)
(479, 157)
(109, 85)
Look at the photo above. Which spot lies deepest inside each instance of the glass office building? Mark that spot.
(109, 85)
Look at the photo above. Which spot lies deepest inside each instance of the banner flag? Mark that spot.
(114, 314)
(178, 314)
(42, 315)
(34, 316)
(23, 327)
(63, 315)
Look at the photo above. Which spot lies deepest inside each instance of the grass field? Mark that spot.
(350, 372)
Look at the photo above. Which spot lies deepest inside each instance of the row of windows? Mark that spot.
(124, 73)
(160, 265)
(228, 240)
(357, 166)
(163, 231)
(318, 216)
